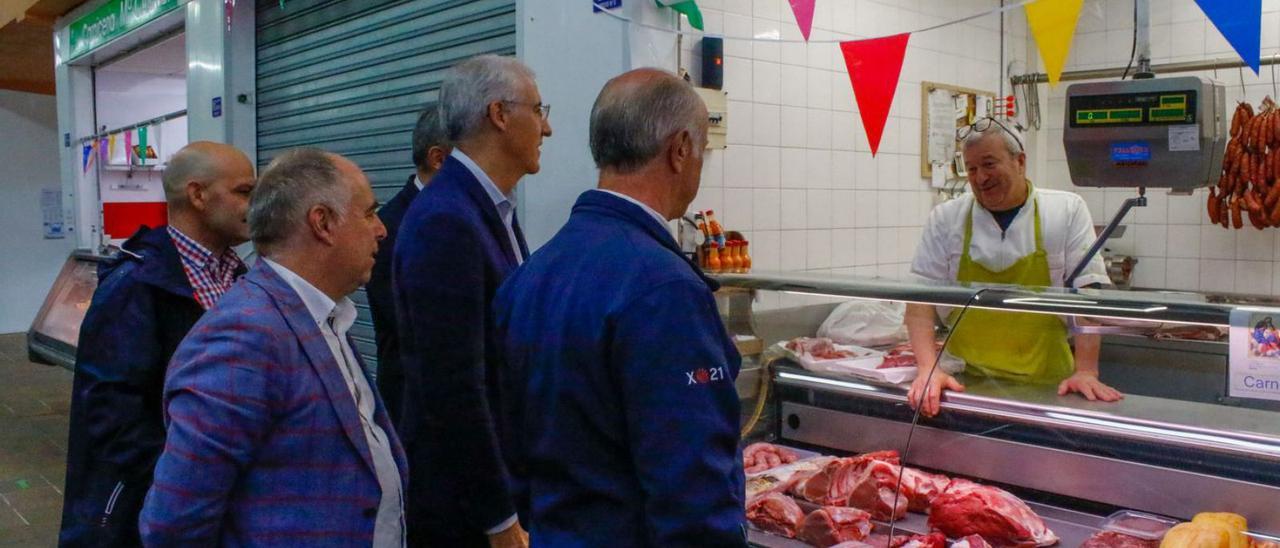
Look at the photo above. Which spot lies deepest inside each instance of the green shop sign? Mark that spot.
(113, 20)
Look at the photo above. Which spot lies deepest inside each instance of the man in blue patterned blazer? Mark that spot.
(275, 435)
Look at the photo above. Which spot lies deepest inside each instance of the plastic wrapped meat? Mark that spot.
(832, 525)
(967, 508)
(1113, 539)
(775, 513)
(818, 348)
(781, 479)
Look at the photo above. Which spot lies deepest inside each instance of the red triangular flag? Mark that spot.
(874, 66)
(803, 10)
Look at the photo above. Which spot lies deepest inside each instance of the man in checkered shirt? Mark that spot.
(148, 298)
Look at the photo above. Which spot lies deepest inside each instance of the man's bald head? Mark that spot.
(637, 112)
(207, 187)
(200, 162)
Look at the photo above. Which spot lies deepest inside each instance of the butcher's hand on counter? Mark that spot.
(1085, 380)
(926, 391)
(1086, 384)
(511, 537)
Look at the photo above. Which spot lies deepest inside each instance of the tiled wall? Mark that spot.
(797, 176)
(1176, 246)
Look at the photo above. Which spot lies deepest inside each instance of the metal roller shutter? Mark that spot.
(350, 76)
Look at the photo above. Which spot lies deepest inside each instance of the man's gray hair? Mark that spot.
(472, 85)
(1008, 133)
(631, 121)
(294, 182)
(188, 164)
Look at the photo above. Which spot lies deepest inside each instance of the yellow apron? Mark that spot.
(1026, 347)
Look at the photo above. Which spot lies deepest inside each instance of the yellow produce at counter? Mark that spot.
(1235, 522)
(1197, 535)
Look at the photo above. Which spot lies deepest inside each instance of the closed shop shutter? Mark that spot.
(351, 76)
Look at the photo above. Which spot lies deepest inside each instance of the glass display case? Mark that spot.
(1176, 445)
(55, 331)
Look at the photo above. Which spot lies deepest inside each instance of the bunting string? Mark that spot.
(697, 33)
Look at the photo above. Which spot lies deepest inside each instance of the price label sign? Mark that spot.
(1254, 367)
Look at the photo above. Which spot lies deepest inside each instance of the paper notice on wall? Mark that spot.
(1253, 369)
(1184, 138)
(942, 126)
(51, 210)
(939, 175)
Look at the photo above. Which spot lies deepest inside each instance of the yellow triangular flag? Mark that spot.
(1053, 24)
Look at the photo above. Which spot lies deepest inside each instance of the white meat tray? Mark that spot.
(864, 365)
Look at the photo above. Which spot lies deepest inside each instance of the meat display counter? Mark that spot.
(55, 331)
(1174, 447)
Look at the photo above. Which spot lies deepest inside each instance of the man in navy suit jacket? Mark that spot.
(429, 152)
(275, 436)
(458, 242)
(621, 372)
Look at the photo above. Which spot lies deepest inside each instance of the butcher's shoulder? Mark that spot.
(1058, 198)
(948, 213)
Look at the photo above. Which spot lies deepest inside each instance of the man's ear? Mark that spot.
(680, 149)
(435, 157)
(196, 195)
(322, 220)
(497, 115)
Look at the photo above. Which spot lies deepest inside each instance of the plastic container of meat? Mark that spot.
(864, 364)
(1138, 524)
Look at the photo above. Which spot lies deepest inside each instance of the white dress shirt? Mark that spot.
(1066, 228)
(334, 320)
(505, 204)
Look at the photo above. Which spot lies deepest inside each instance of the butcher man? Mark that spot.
(1006, 231)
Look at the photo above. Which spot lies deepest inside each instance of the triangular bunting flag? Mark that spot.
(1240, 22)
(803, 10)
(88, 157)
(128, 147)
(1053, 24)
(687, 7)
(874, 66)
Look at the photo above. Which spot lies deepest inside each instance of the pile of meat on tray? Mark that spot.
(819, 348)
(845, 494)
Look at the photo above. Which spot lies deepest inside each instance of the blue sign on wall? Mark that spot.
(597, 5)
(217, 107)
(1131, 152)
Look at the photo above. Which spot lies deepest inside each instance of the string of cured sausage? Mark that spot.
(1249, 184)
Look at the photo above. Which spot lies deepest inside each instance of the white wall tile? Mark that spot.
(843, 247)
(794, 127)
(766, 82)
(1255, 245)
(1150, 241)
(765, 250)
(737, 166)
(1182, 274)
(795, 86)
(843, 172)
(819, 129)
(1187, 209)
(766, 167)
(818, 246)
(818, 168)
(819, 209)
(866, 208)
(740, 123)
(794, 209)
(1217, 242)
(1149, 273)
(1218, 276)
(1183, 241)
(1253, 277)
(866, 247)
(820, 89)
(767, 120)
(766, 209)
(794, 172)
(793, 253)
(737, 208)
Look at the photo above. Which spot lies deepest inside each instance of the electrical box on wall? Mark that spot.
(718, 115)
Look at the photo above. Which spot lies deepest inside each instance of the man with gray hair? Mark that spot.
(275, 433)
(1005, 231)
(148, 298)
(620, 374)
(458, 242)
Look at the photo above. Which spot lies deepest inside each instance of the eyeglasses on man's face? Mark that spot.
(543, 109)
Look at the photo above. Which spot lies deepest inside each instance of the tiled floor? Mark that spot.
(34, 400)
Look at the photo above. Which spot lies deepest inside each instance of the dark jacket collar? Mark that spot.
(608, 204)
(158, 261)
(410, 189)
(454, 172)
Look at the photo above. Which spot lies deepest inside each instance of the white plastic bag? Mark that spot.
(866, 323)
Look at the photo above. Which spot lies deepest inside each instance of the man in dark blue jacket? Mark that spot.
(458, 242)
(620, 373)
(429, 152)
(147, 300)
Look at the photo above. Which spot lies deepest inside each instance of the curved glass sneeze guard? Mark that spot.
(1167, 307)
(1177, 443)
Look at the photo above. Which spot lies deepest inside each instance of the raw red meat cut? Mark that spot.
(831, 525)
(818, 348)
(759, 457)
(874, 489)
(775, 513)
(1112, 539)
(967, 508)
(854, 544)
(921, 488)
(931, 540)
(829, 486)
(902, 356)
(853, 482)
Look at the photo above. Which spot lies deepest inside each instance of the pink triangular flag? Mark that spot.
(803, 10)
(874, 66)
